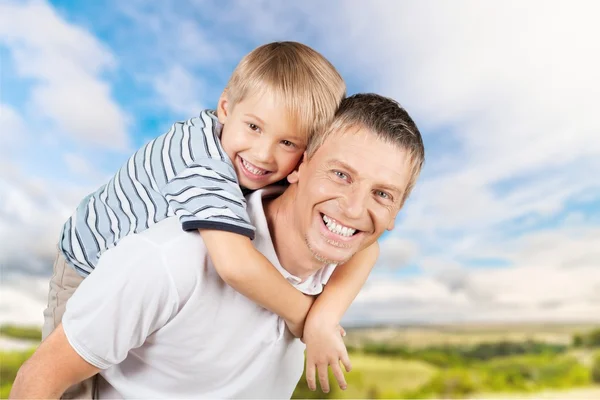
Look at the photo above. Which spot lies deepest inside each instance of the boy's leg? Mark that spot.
(63, 283)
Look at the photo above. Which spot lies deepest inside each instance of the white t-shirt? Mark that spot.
(164, 325)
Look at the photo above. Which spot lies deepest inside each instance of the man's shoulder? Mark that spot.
(163, 232)
(156, 242)
(182, 254)
(168, 237)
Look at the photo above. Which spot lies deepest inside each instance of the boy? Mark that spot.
(279, 96)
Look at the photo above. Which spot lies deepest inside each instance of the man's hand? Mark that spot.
(325, 347)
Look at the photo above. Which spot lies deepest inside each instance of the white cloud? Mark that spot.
(176, 33)
(514, 87)
(23, 301)
(14, 128)
(32, 212)
(553, 277)
(396, 252)
(179, 90)
(66, 64)
(81, 166)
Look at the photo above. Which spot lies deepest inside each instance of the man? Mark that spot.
(167, 327)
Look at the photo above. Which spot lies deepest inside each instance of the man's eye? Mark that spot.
(340, 175)
(287, 143)
(382, 194)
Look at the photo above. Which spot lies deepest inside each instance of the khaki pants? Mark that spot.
(63, 284)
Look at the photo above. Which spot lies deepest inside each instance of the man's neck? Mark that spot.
(289, 244)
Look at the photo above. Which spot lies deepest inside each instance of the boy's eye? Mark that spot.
(287, 143)
(253, 127)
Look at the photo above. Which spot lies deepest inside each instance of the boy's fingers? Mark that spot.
(310, 376)
(342, 331)
(346, 361)
(323, 377)
(339, 375)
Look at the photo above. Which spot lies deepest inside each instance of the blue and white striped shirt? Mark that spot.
(184, 172)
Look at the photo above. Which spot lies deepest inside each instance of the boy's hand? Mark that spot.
(325, 347)
(297, 328)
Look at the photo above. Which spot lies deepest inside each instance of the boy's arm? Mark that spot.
(343, 287)
(206, 196)
(324, 345)
(246, 270)
(52, 369)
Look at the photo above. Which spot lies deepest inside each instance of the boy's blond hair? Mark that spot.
(299, 77)
(387, 120)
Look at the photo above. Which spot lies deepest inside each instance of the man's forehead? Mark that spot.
(366, 154)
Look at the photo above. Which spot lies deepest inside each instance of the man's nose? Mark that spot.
(354, 203)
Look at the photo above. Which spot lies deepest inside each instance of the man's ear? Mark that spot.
(391, 224)
(294, 176)
(223, 107)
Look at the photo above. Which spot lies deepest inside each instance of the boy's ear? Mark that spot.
(223, 107)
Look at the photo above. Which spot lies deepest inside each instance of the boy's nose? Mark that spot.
(264, 153)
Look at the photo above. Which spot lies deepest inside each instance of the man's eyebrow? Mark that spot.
(260, 121)
(343, 165)
(383, 186)
(391, 188)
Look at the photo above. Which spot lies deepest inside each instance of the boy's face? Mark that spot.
(260, 138)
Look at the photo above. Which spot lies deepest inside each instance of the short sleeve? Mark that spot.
(117, 307)
(207, 195)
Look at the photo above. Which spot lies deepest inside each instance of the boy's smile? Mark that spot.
(251, 171)
(261, 138)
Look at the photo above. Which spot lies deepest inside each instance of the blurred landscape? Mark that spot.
(560, 361)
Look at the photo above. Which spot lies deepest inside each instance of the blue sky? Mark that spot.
(504, 223)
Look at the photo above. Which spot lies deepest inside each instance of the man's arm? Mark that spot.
(53, 368)
(246, 270)
(322, 333)
(129, 296)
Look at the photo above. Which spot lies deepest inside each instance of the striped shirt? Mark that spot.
(184, 172)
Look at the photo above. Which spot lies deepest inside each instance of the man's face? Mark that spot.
(349, 193)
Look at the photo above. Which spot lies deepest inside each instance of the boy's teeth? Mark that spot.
(337, 228)
(252, 169)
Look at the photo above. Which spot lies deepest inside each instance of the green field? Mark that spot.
(467, 361)
(373, 377)
(424, 336)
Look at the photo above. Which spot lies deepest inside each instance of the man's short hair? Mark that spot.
(300, 77)
(386, 119)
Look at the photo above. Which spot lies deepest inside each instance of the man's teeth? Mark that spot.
(337, 228)
(252, 168)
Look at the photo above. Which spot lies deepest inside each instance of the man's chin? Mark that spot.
(327, 254)
(324, 258)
